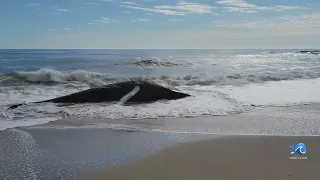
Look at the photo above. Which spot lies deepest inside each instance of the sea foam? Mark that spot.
(49, 76)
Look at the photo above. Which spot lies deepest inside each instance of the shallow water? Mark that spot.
(221, 82)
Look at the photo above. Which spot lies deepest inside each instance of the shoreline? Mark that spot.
(233, 157)
(300, 120)
(72, 148)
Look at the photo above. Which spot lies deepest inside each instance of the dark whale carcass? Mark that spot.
(124, 92)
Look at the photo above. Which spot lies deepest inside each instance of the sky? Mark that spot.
(165, 24)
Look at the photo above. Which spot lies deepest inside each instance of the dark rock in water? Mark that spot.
(310, 51)
(151, 63)
(269, 52)
(124, 92)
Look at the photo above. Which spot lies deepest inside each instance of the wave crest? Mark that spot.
(49, 76)
(315, 52)
(94, 79)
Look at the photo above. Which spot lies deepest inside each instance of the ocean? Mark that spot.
(221, 82)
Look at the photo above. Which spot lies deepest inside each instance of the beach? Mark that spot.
(228, 158)
(235, 154)
(246, 108)
(160, 90)
(70, 153)
(253, 145)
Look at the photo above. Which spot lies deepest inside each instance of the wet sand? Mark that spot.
(234, 157)
(69, 153)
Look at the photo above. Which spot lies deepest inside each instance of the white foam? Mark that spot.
(50, 75)
(281, 93)
(25, 122)
(202, 103)
(22, 94)
(31, 114)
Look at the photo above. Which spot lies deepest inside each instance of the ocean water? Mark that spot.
(222, 82)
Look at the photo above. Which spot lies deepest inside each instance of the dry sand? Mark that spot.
(234, 157)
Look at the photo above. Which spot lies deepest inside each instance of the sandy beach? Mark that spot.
(253, 145)
(69, 153)
(228, 158)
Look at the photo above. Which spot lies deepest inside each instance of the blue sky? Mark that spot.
(160, 24)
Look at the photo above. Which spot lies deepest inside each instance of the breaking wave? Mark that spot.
(51, 77)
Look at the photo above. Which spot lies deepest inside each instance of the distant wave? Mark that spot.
(151, 63)
(51, 77)
(241, 78)
(316, 52)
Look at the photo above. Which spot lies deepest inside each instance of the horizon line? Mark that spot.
(157, 48)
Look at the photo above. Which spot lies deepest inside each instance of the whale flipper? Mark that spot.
(125, 98)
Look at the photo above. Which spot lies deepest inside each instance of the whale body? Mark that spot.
(125, 92)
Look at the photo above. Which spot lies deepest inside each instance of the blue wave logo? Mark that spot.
(299, 148)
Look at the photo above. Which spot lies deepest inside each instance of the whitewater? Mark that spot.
(221, 82)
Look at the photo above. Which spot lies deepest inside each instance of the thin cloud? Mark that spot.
(188, 7)
(295, 25)
(129, 2)
(106, 20)
(243, 6)
(67, 29)
(160, 11)
(63, 10)
(141, 20)
(51, 30)
(237, 3)
(33, 4)
(125, 12)
(180, 9)
(175, 20)
(90, 3)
